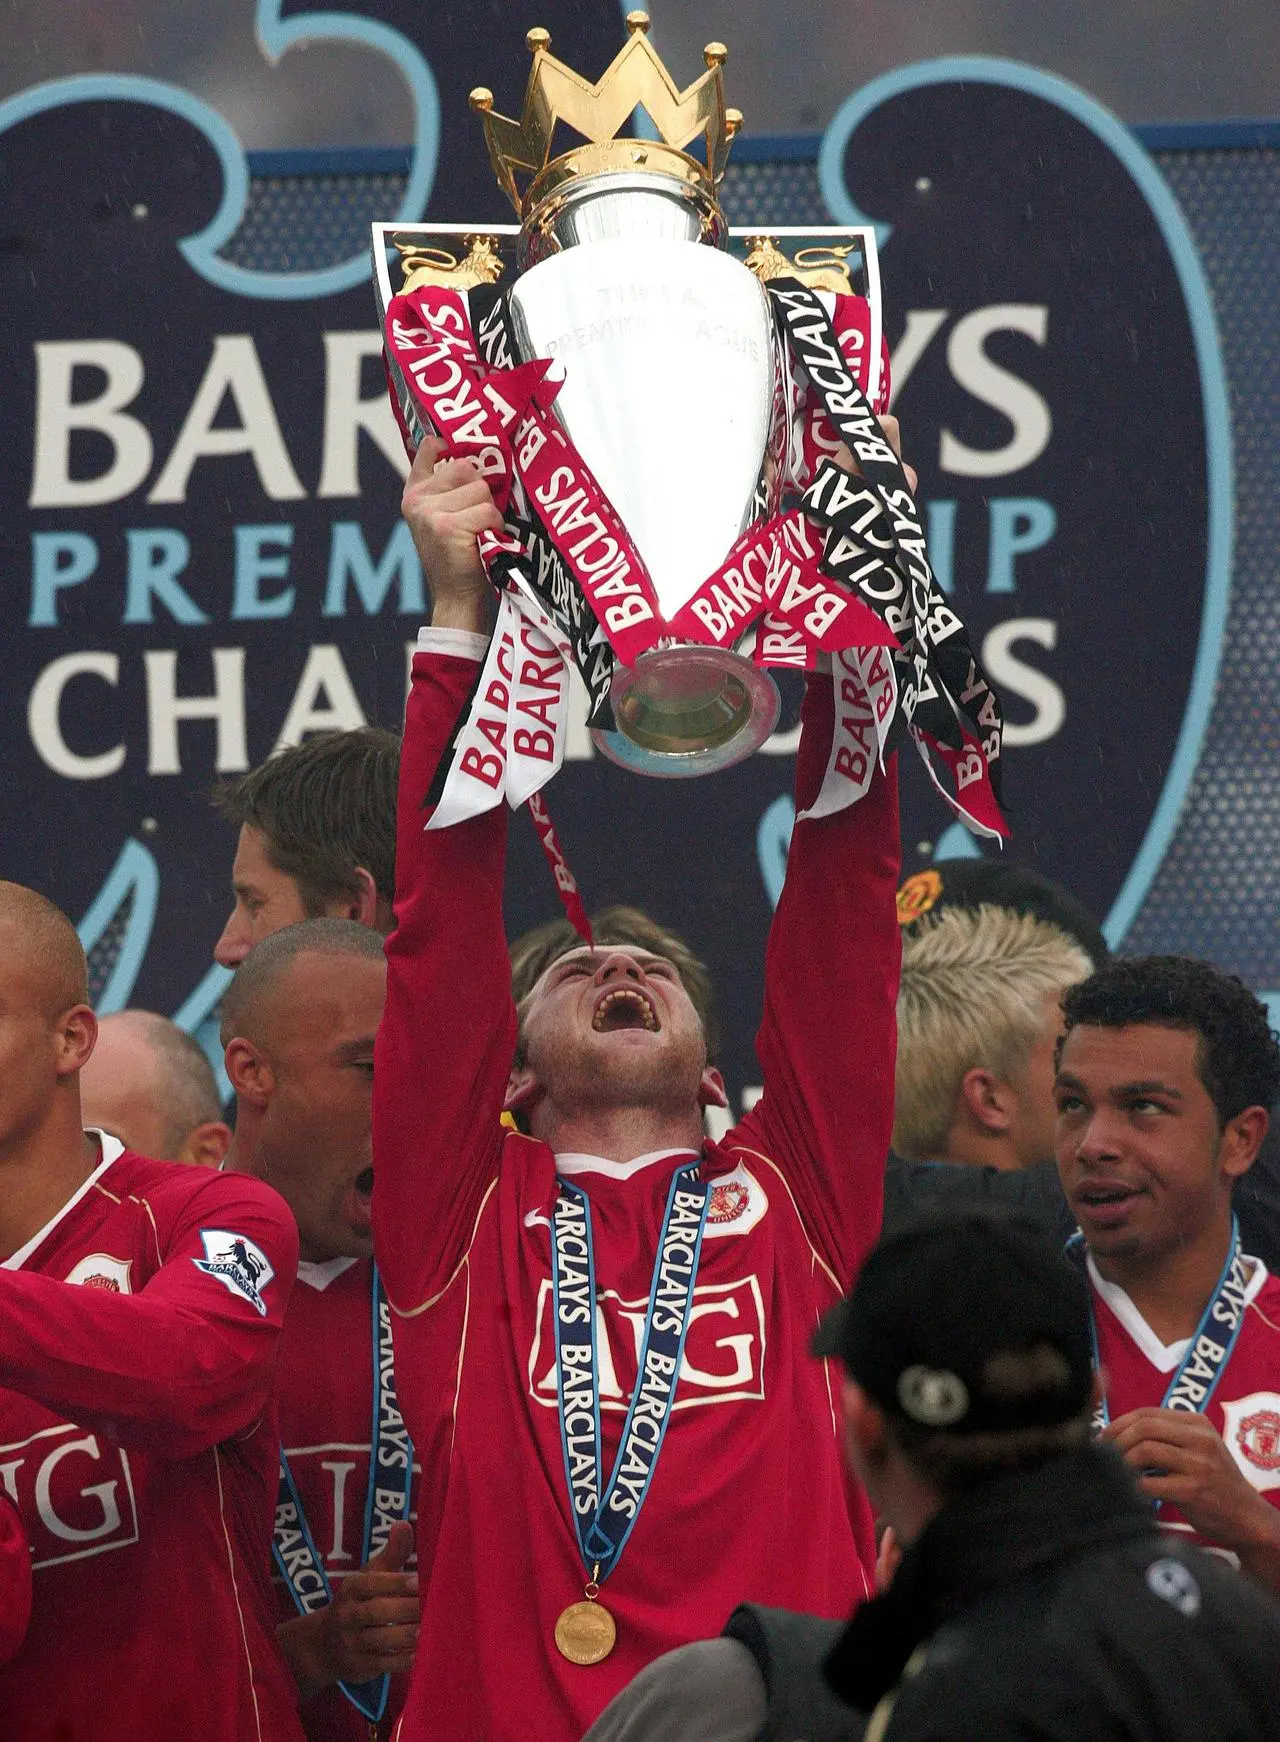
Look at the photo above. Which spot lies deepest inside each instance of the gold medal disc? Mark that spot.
(586, 1633)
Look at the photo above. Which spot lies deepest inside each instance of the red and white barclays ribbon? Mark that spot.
(866, 695)
(848, 580)
(774, 569)
(513, 738)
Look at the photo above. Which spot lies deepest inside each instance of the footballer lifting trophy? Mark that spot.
(655, 399)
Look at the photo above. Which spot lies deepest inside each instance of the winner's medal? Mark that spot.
(586, 1632)
(604, 1516)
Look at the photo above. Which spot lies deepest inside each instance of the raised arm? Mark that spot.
(448, 1031)
(189, 1360)
(828, 1036)
(828, 1039)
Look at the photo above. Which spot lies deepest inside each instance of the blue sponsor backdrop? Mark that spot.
(202, 556)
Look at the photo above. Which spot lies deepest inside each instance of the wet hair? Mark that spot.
(534, 951)
(260, 973)
(43, 936)
(1237, 1056)
(325, 808)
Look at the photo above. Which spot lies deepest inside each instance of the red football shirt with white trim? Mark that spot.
(749, 1500)
(138, 1334)
(325, 1398)
(1245, 1406)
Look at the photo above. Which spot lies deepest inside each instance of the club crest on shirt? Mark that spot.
(100, 1270)
(737, 1203)
(917, 895)
(238, 1263)
(1259, 1439)
(1251, 1430)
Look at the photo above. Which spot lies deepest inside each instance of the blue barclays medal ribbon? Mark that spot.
(1209, 1349)
(604, 1516)
(386, 1502)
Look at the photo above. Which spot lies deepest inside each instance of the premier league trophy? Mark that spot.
(655, 399)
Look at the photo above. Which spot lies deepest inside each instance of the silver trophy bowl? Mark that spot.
(669, 361)
(624, 272)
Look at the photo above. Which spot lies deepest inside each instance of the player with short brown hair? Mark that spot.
(602, 1322)
(317, 837)
(533, 952)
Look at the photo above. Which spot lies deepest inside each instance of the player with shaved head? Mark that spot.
(602, 1320)
(298, 1025)
(140, 1310)
(149, 1083)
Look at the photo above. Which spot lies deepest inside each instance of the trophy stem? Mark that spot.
(683, 711)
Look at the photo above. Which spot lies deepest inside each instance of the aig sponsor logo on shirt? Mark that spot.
(75, 1493)
(333, 1481)
(723, 1359)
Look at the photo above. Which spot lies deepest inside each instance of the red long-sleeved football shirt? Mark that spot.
(749, 1500)
(138, 1335)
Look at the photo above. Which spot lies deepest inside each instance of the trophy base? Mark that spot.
(683, 711)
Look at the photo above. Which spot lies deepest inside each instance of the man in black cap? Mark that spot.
(1036, 1598)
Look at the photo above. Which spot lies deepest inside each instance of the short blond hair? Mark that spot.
(974, 982)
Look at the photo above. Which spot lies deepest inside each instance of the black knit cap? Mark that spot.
(997, 883)
(975, 1323)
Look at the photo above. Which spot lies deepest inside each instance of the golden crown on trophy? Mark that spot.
(636, 78)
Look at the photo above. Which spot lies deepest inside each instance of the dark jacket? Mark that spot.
(937, 1187)
(912, 1188)
(1049, 1608)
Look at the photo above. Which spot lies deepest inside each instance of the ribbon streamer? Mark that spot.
(843, 576)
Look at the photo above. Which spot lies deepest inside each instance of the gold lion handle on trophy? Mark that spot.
(481, 265)
(821, 268)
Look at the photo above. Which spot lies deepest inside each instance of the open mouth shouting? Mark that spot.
(625, 1007)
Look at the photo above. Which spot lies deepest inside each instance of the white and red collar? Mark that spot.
(1164, 1357)
(112, 1149)
(571, 1162)
(320, 1275)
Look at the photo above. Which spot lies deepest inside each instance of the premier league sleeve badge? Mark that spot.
(239, 1264)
